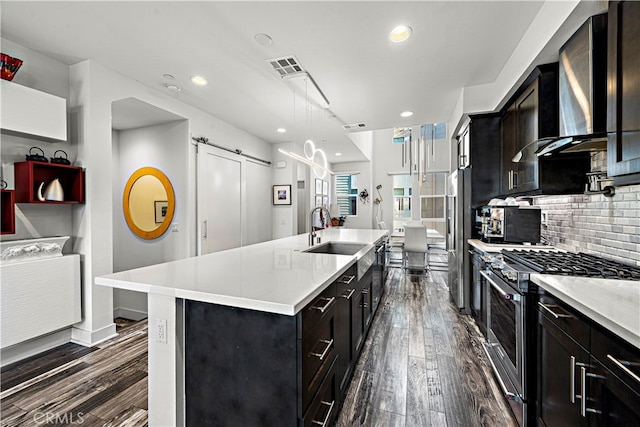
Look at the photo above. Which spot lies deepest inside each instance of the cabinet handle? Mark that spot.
(622, 364)
(351, 292)
(326, 418)
(515, 179)
(322, 355)
(572, 380)
(205, 229)
(347, 281)
(325, 307)
(583, 391)
(553, 313)
(510, 184)
(365, 291)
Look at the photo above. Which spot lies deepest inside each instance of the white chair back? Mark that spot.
(415, 238)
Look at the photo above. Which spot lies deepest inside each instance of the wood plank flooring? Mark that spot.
(104, 385)
(422, 365)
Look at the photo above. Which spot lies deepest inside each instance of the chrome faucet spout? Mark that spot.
(327, 220)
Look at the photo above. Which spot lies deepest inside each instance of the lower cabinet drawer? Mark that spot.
(318, 309)
(318, 352)
(324, 407)
(618, 356)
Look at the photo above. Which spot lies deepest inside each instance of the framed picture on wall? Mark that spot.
(160, 208)
(325, 188)
(318, 186)
(281, 194)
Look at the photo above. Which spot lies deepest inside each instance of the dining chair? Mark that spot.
(415, 242)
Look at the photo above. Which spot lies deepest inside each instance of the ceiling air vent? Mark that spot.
(286, 66)
(353, 126)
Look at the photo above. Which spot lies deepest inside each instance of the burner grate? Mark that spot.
(573, 264)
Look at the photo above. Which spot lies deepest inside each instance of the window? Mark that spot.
(402, 192)
(347, 194)
(433, 199)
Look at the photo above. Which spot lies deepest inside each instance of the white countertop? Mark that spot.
(497, 247)
(614, 304)
(274, 276)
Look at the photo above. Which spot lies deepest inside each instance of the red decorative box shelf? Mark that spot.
(7, 216)
(29, 175)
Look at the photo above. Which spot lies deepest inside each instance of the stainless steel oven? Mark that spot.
(506, 340)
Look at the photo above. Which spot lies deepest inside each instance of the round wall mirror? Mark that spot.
(148, 203)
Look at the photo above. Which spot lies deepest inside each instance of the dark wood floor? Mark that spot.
(104, 385)
(422, 365)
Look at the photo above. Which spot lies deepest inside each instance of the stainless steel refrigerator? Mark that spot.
(458, 231)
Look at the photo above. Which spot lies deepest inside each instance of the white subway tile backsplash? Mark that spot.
(594, 223)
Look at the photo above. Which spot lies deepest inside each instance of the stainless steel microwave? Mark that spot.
(510, 224)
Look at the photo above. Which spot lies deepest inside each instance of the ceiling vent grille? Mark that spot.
(353, 126)
(286, 66)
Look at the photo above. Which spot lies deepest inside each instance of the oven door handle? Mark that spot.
(506, 295)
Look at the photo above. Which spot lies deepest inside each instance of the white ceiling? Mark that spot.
(342, 44)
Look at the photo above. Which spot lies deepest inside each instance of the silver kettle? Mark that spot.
(52, 192)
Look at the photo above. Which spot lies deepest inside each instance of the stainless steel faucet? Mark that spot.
(312, 234)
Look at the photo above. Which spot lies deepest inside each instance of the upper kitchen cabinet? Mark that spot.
(530, 116)
(623, 92)
(33, 114)
(479, 149)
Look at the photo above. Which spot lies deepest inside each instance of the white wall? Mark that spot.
(364, 217)
(285, 217)
(44, 74)
(159, 146)
(94, 88)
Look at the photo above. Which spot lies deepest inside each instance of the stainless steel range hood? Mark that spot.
(583, 94)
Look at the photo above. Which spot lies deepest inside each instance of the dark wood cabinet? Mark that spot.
(532, 114)
(559, 363)
(345, 310)
(484, 155)
(623, 92)
(7, 214)
(246, 367)
(479, 298)
(30, 175)
(587, 376)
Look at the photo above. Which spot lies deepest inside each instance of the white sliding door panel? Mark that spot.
(220, 200)
(258, 203)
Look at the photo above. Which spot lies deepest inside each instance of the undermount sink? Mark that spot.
(337, 248)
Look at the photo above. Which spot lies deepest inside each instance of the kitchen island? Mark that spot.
(246, 296)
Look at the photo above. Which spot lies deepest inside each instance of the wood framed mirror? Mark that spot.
(148, 203)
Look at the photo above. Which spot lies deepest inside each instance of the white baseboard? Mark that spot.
(128, 313)
(34, 346)
(91, 338)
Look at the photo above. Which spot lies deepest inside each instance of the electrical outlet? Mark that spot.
(544, 218)
(174, 227)
(161, 330)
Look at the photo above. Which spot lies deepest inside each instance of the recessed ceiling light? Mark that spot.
(338, 154)
(173, 88)
(281, 130)
(400, 33)
(198, 80)
(263, 39)
(406, 114)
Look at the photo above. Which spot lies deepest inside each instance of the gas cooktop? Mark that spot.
(573, 264)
